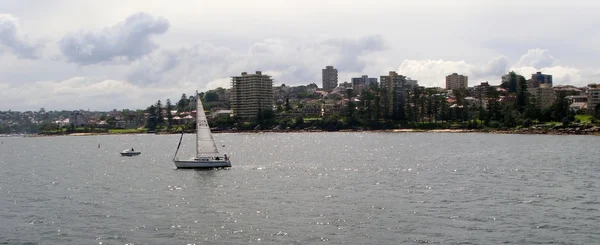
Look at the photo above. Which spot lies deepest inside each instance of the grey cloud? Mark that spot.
(17, 44)
(349, 51)
(187, 63)
(130, 40)
(494, 68)
(288, 61)
(150, 69)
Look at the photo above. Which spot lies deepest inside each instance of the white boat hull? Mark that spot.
(129, 154)
(202, 163)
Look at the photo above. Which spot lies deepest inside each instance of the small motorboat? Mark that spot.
(130, 152)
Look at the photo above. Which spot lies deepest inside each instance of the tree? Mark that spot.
(211, 96)
(265, 117)
(299, 120)
(493, 112)
(48, 127)
(597, 111)
(288, 107)
(350, 103)
(460, 95)
(160, 119)
(522, 94)
(512, 82)
(560, 107)
(169, 114)
(182, 103)
(152, 121)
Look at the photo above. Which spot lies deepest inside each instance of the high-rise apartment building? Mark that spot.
(249, 92)
(511, 81)
(455, 81)
(593, 98)
(330, 78)
(360, 83)
(395, 87)
(544, 95)
(538, 79)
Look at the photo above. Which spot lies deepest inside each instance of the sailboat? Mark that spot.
(207, 154)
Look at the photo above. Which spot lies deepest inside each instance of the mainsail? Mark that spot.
(204, 140)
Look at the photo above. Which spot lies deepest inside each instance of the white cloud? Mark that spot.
(563, 75)
(433, 72)
(224, 82)
(81, 93)
(537, 58)
(13, 41)
(128, 40)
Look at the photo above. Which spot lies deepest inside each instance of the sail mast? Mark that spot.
(198, 108)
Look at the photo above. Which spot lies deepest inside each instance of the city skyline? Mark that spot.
(102, 55)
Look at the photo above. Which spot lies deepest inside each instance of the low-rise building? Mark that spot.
(221, 114)
(312, 110)
(333, 109)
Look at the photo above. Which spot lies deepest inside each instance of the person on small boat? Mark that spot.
(132, 149)
(225, 155)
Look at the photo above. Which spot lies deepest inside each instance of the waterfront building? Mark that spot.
(251, 92)
(593, 97)
(394, 86)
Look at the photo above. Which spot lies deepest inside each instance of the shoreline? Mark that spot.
(595, 131)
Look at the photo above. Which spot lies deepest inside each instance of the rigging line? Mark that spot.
(180, 138)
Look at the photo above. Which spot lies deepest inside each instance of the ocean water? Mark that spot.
(303, 188)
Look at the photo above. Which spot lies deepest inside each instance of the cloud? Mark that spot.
(433, 72)
(349, 49)
(192, 64)
(81, 93)
(563, 75)
(128, 40)
(18, 44)
(537, 58)
(495, 67)
(288, 61)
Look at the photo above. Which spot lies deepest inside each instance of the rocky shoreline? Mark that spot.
(532, 130)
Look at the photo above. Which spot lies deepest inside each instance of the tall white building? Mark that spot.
(395, 87)
(330, 78)
(249, 92)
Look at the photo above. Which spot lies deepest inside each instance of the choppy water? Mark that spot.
(306, 188)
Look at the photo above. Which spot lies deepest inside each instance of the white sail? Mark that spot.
(204, 140)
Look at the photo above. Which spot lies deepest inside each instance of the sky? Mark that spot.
(114, 54)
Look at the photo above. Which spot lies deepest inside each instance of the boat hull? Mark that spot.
(130, 154)
(202, 164)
